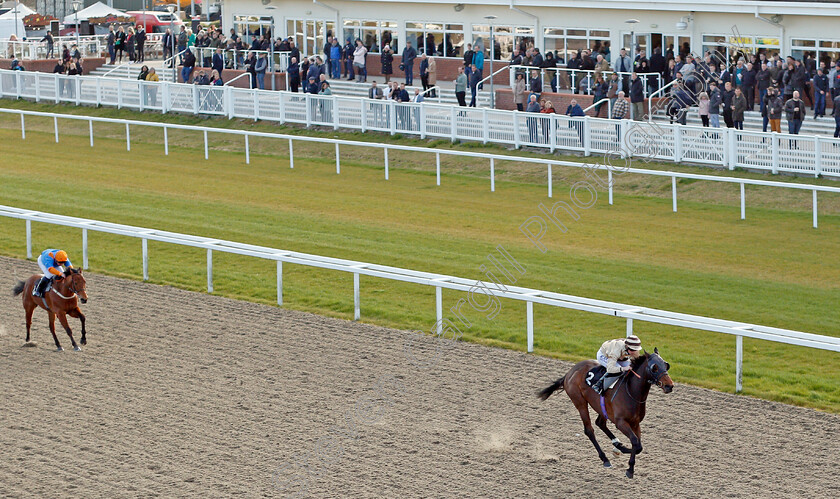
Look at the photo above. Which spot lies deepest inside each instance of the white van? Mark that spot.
(7, 28)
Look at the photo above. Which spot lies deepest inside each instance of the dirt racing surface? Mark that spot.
(198, 395)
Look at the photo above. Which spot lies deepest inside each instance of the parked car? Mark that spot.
(155, 21)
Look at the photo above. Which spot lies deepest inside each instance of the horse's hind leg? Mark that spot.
(29, 312)
(634, 434)
(77, 313)
(583, 409)
(52, 330)
(618, 447)
(62, 317)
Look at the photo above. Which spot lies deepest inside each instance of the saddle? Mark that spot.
(595, 374)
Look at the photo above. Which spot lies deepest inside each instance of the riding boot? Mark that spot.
(39, 288)
(599, 386)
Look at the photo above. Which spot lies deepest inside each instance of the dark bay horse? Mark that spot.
(62, 300)
(624, 402)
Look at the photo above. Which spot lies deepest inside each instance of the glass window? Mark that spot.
(505, 38)
(373, 34)
(565, 43)
(437, 39)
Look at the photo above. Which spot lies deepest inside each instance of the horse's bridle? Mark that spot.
(72, 288)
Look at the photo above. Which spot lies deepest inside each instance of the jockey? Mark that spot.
(52, 263)
(615, 355)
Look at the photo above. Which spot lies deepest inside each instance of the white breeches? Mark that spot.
(46, 272)
(603, 360)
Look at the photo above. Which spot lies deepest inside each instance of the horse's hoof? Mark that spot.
(616, 452)
(77, 348)
(607, 464)
(59, 349)
(629, 474)
(84, 341)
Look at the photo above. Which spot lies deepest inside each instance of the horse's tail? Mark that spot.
(18, 289)
(557, 385)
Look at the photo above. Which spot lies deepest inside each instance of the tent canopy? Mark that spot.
(98, 9)
(9, 8)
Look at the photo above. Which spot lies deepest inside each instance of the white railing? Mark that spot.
(561, 78)
(89, 46)
(235, 59)
(722, 147)
(204, 96)
(438, 281)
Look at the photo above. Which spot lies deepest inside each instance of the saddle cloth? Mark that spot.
(597, 373)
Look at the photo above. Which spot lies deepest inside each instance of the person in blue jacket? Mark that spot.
(52, 263)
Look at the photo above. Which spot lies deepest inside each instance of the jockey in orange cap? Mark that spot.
(52, 263)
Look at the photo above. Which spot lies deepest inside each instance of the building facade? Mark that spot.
(562, 27)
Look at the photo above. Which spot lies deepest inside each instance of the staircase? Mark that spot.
(753, 122)
(346, 88)
(132, 71)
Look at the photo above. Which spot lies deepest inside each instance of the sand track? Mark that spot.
(200, 395)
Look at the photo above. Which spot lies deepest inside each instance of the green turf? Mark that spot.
(772, 269)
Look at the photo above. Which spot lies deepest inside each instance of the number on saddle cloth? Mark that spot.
(595, 374)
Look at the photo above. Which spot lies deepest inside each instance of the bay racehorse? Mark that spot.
(624, 404)
(62, 300)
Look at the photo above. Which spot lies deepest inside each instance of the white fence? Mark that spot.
(89, 46)
(724, 147)
(492, 158)
(438, 281)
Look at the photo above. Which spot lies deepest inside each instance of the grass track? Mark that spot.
(771, 269)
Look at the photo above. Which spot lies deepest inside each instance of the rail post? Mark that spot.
(437, 168)
(209, 270)
(90, 130)
(529, 313)
(674, 193)
(492, 174)
(386, 163)
(247, 151)
(610, 185)
(356, 309)
(743, 203)
(145, 259)
(166, 141)
(84, 249)
(28, 238)
(291, 155)
(206, 153)
(438, 310)
(22, 127)
(815, 208)
(629, 327)
(279, 282)
(337, 160)
(55, 124)
(127, 138)
(739, 362)
(550, 181)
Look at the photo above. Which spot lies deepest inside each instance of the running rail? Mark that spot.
(438, 281)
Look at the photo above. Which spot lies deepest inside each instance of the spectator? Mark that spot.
(821, 90)
(536, 84)
(215, 78)
(726, 97)
(189, 64)
(575, 111)
(774, 106)
(182, 42)
(599, 91)
(461, 87)
(51, 44)
(424, 71)
(601, 65)
(795, 110)
(325, 88)
(621, 110)
(637, 98)
(432, 72)
(715, 100)
(218, 61)
(144, 71)
(130, 45)
(251, 68)
(375, 92)
(141, 44)
(312, 87)
(119, 43)
(359, 60)
(520, 96)
(259, 68)
(335, 59)
(110, 42)
(475, 77)
(834, 81)
(167, 42)
(623, 64)
(762, 82)
(703, 108)
(836, 113)
(294, 75)
(748, 86)
(468, 59)
(151, 90)
(613, 88)
(739, 105)
(478, 62)
(407, 63)
(202, 78)
(533, 107)
(387, 60)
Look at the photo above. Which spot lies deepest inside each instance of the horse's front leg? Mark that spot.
(634, 434)
(77, 313)
(62, 317)
(52, 330)
(618, 447)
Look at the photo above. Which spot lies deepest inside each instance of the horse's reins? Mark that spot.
(73, 289)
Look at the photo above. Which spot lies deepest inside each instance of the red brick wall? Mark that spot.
(447, 69)
(504, 100)
(47, 65)
(244, 82)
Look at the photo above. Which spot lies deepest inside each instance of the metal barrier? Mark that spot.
(438, 281)
(722, 147)
(561, 78)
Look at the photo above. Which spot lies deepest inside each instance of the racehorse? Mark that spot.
(61, 300)
(624, 404)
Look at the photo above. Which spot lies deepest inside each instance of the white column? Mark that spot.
(386, 163)
(291, 154)
(55, 122)
(206, 155)
(22, 127)
(674, 193)
(610, 185)
(437, 171)
(492, 174)
(127, 138)
(815, 208)
(28, 238)
(166, 141)
(629, 327)
(337, 160)
(90, 129)
(550, 181)
(743, 203)
(247, 151)
(439, 310)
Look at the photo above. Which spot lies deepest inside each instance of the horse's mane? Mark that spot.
(637, 363)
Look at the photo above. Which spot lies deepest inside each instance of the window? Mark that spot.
(249, 27)
(731, 48)
(825, 51)
(373, 34)
(566, 42)
(310, 35)
(505, 38)
(440, 39)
